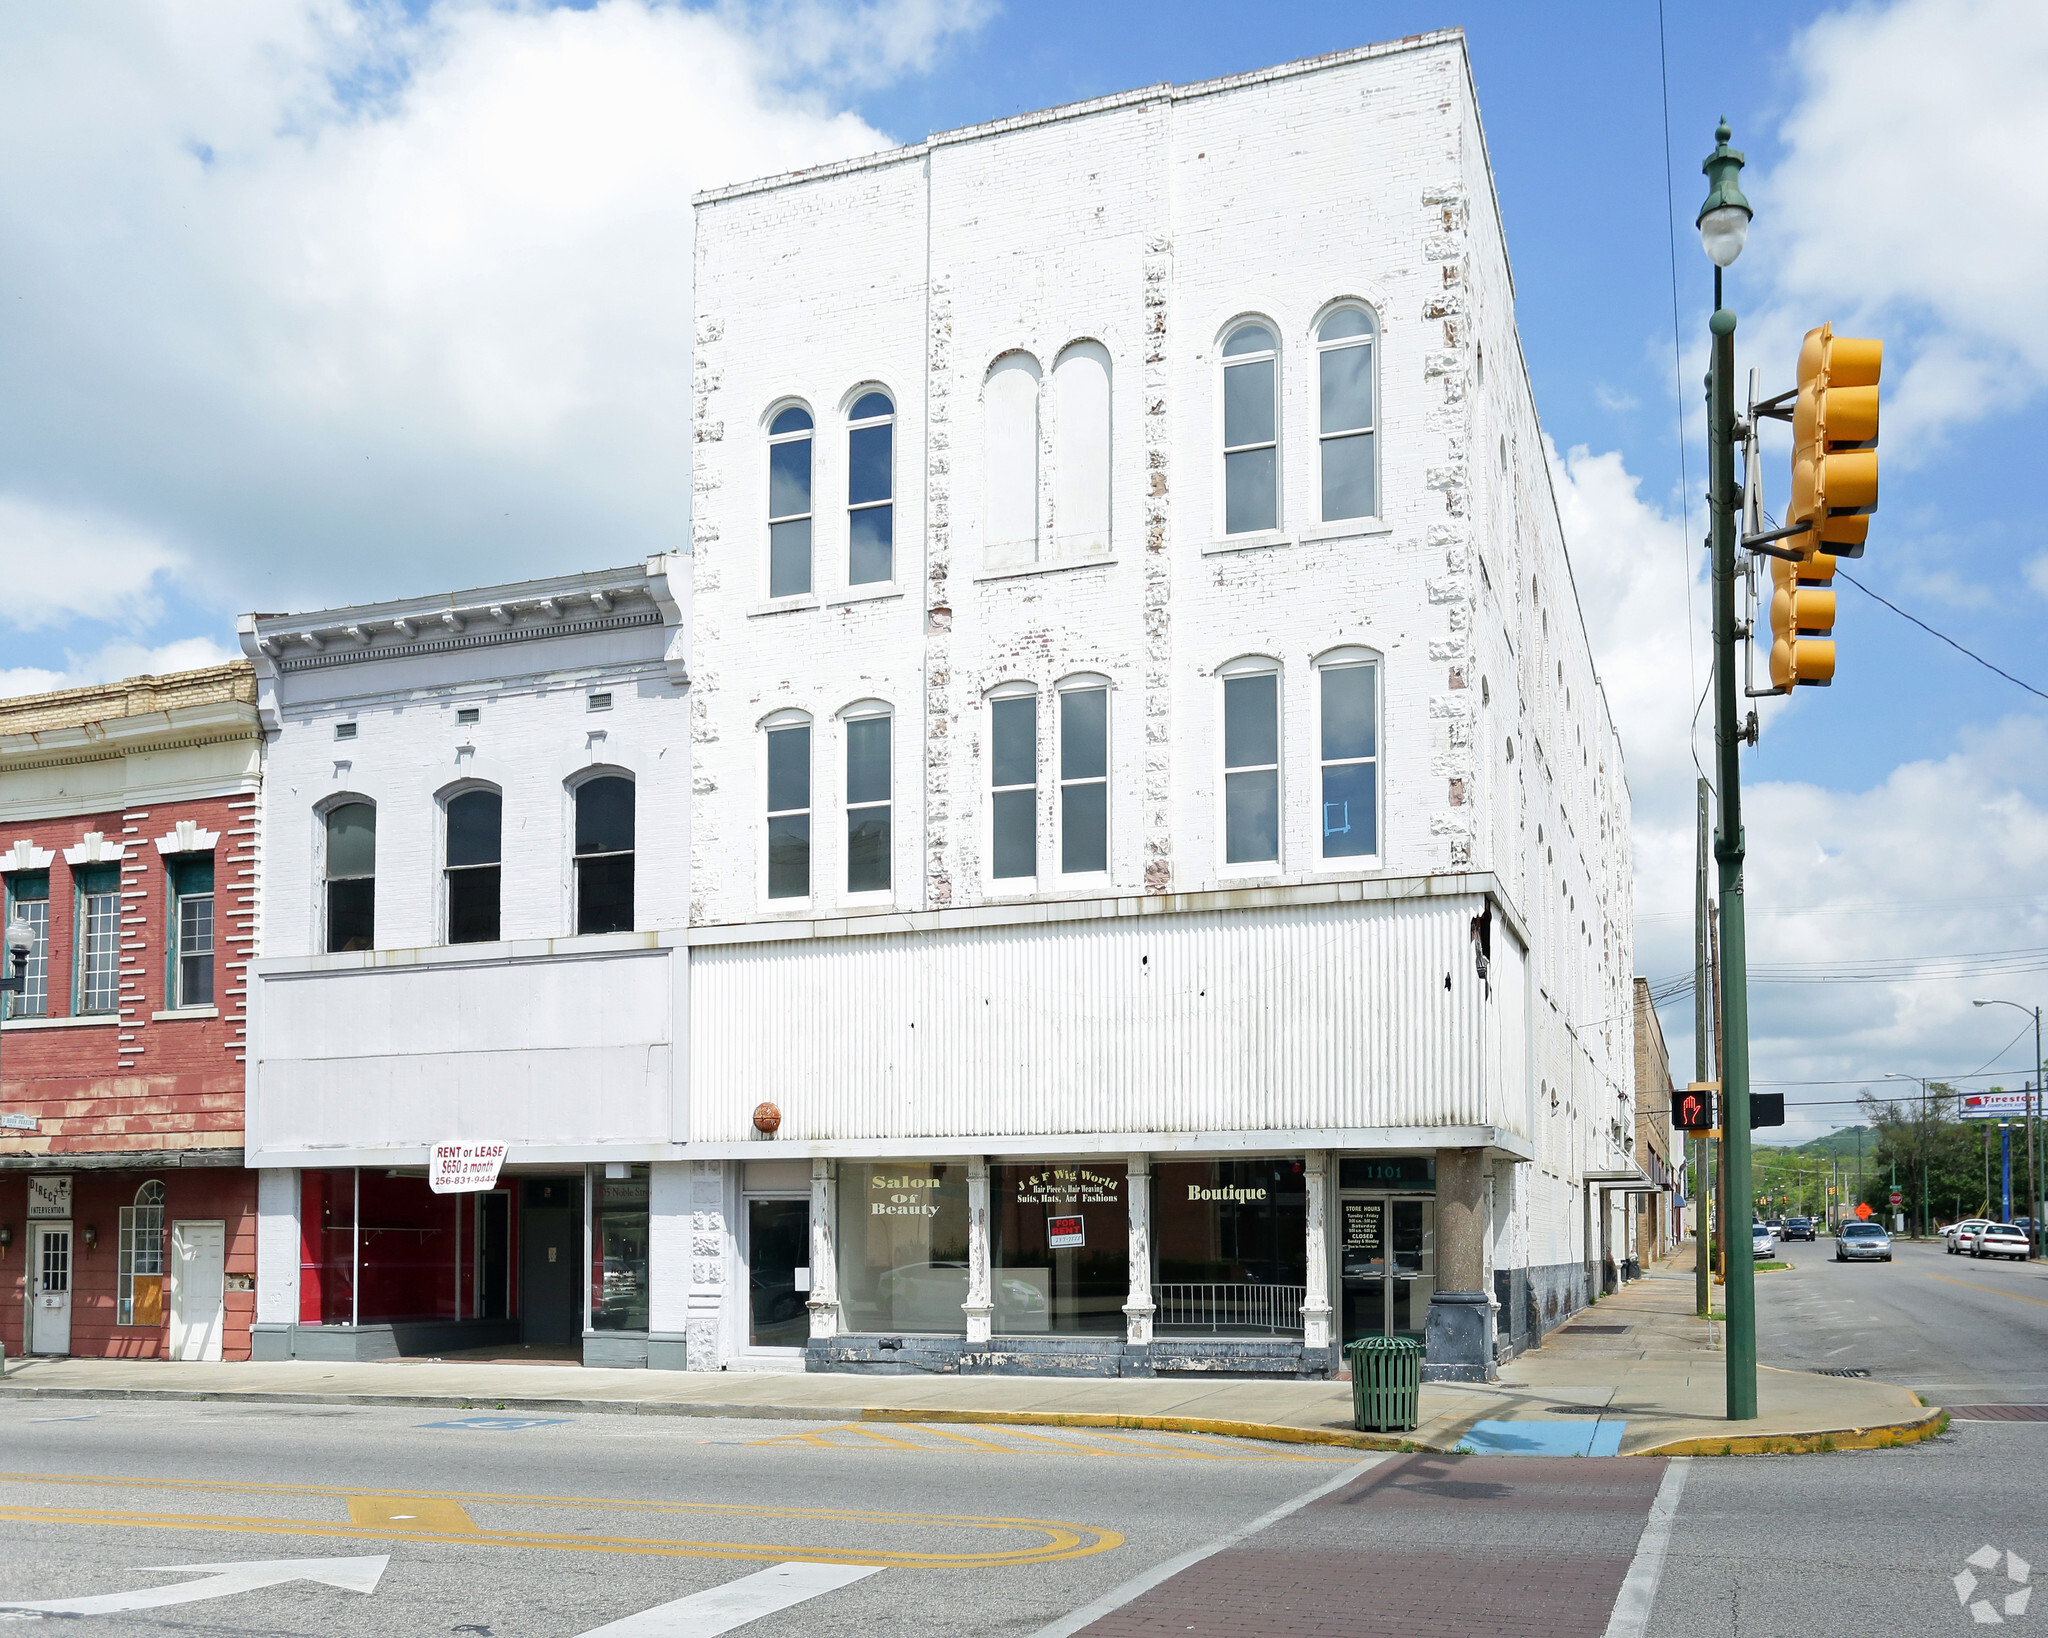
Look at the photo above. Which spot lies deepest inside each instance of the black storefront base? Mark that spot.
(884, 1354)
(391, 1339)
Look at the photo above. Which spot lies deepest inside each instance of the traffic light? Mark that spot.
(1766, 1109)
(1834, 491)
(1693, 1110)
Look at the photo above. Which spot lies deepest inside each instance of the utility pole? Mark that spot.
(1720, 1143)
(1702, 1023)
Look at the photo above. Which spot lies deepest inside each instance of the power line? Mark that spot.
(1924, 626)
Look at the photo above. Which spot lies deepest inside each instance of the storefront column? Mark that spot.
(277, 1263)
(1460, 1328)
(710, 1250)
(1138, 1310)
(980, 1303)
(1315, 1309)
(668, 1265)
(824, 1303)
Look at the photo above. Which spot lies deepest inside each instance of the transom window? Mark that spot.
(476, 825)
(28, 899)
(98, 891)
(1084, 780)
(1350, 760)
(1344, 348)
(1251, 449)
(191, 974)
(1013, 786)
(867, 804)
(871, 490)
(789, 812)
(604, 855)
(1251, 763)
(352, 877)
(789, 503)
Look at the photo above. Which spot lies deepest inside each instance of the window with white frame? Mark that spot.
(871, 490)
(352, 876)
(789, 502)
(1350, 757)
(789, 811)
(1251, 430)
(475, 854)
(139, 1264)
(1251, 764)
(867, 804)
(191, 928)
(1344, 361)
(1084, 779)
(96, 891)
(604, 854)
(1013, 783)
(28, 899)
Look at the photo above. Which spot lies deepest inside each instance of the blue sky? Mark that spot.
(316, 302)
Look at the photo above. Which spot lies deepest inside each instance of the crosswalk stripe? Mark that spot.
(720, 1609)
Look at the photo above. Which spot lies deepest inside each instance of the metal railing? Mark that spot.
(1230, 1307)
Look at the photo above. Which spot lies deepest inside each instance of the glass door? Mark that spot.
(1386, 1262)
(779, 1272)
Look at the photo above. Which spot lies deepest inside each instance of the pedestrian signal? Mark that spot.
(1766, 1109)
(1693, 1110)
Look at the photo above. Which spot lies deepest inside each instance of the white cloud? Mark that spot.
(2037, 574)
(64, 564)
(354, 303)
(114, 661)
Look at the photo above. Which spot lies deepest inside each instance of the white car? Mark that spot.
(1762, 1242)
(1999, 1240)
(1956, 1233)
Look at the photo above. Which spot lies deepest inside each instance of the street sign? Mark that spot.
(1898, 1198)
(18, 1123)
(1863, 1211)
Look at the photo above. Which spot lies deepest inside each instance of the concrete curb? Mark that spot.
(1279, 1433)
(1882, 1436)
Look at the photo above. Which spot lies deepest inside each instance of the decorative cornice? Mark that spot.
(188, 838)
(25, 855)
(458, 638)
(95, 849)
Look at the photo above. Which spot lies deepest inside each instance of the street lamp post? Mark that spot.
(1723, 222)
(2035, 1234)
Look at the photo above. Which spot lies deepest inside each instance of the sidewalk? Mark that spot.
(1655, 1388)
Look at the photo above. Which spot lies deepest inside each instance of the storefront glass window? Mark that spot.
(327, 1228)
(1232, 1238)
(903, 1246)
(408, 1261)
(1060, 1236)
(618, 1243)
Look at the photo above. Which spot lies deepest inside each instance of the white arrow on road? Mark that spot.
(350, 1574)
(720, 1609)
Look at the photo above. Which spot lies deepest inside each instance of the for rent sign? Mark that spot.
(465, 1168)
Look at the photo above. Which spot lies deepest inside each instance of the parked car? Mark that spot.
(1861, 1242)
(1762, 1241)
(1798, 1228)
(1956, 1233)
(1999, 1240)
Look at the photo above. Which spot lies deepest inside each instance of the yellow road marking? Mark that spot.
(1146, 1450)
(436, 1513)
(883, 1438)
(978, 1444)
(1995, 1290)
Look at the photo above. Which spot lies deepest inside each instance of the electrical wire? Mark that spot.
(1924, 626)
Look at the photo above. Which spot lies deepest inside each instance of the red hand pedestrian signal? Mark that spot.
(1693, 1109)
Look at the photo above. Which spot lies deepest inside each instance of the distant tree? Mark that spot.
(1936, 1155)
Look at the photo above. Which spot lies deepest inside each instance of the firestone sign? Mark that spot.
(465, 1168)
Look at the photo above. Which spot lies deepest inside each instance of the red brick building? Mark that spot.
(128, 842)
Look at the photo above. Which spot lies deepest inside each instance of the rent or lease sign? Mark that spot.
(465, 1168)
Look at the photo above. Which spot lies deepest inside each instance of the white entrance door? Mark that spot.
(50, 1307)
(199, 1254)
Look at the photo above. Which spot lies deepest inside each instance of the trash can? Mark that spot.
(1386, 1383)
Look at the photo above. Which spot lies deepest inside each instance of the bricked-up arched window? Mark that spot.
(1344, 361)
(871, 490)
(476, 825)
(604, 855)
(1251, 430)
(352, 876)
(789, 503)
(1009, 444)
(139, 1267)
(1080, 514)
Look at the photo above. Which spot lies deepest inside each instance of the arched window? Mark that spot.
(871, 490)
(604, 855)
(1080, 382)
(1344, 360)
(789, 503)
(1251, 761)
(1349, 754)
(1251, 430)
(868, 805)
(139, 1261)
(475, 837)
(789, 809)
(352, 876)
(1013, 782)
(1010, 458)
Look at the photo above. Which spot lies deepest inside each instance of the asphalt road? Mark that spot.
(418, 1522)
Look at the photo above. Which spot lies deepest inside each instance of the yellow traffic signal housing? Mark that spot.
(1834, 442)
(1802, 617)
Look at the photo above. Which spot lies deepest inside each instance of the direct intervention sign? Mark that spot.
(465, 1168)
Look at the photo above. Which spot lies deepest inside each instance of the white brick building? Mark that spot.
(1158, 838)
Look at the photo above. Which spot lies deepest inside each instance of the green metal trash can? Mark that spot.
(1386, 1384)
